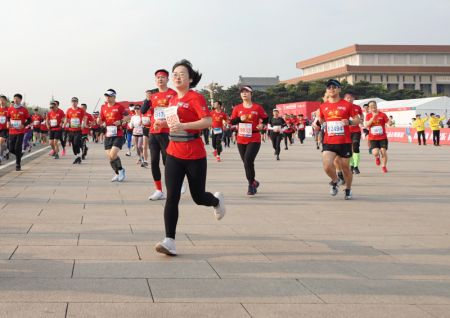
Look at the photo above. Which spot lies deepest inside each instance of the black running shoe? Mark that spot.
(251, 190)
(18, 168)
(356, 170)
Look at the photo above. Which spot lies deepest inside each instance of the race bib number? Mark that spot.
(217, 131)
(16, 123)
(335, 128)
(111, 131)
(159, 113)
(301, 126)
(36, 123)
(376, 130)
(2, 119)
(245, 130)
(276, 128)
(53, 122)
(138, 130)
(74, 122)
(171, 115)
(145, 121)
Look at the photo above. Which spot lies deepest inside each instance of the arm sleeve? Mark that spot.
(235, 119)
(146, 106)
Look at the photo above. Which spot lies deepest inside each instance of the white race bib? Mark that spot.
(159, 113)
(74, 122)
(376, 130)
(301, 126)
(276, 128)
(138, 130)
(245, 130)
(145, 121)
(111, 131)
(171, 115)
(217, 130)
(53, 122)
(335, 128)
(15, 123)
(2, 119)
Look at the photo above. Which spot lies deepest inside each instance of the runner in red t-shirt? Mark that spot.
(44, 130)
(187, 115)
(36, 120)
(74, 123)
(376, 122)
(219, 118)
(18, 118)
(301, 127)
(112, 116)
(85, 131)
(157, 139)
(3, 128)
(247, 116)
(337, 114)
(355, 131)
(54, 122)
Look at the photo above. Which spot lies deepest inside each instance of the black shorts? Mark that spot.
(44, 132)
(84, 136)
(379, 144)
(4, 133)
(356, 137)
(146, 131)
(37, 130)
(114, 142)
(55, 134)
(342, 150)
(263, 132)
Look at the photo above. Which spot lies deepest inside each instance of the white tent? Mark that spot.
(404, 110)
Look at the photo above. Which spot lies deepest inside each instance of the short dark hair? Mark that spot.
(148, 91)
(56, 102)
(195, 76)
(219, 102)
(18, 95)
(84, 105)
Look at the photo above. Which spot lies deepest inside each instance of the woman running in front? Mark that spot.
(186, 116)
(247, 116)
(138, 132)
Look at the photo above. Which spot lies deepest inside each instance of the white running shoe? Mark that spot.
(334, 188)
(183, 188)
(167, 246)
(157, 195)
(115, 178)
(219, 211)
(122, 175)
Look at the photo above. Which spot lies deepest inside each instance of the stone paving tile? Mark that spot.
(77, 252)
(74, 290)
(143, 269)
(36, 268)
(38, 239)
(128, 239)
(14, 228)
(230, 291)
(6, 251)
(80, 228)
(335, 311)
(366, 291)
(437, 311)
(32, 310)
(118, 310)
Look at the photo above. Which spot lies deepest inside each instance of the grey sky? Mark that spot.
(81, 48)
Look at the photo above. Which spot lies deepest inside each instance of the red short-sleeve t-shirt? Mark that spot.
(191, 107)
(377, 131)
(358, 111)
(55, 119)
(74, 118)
(247, 131)
(333, 114)
(218, 118)
(110, 114)
(159, 101)
(17, 116)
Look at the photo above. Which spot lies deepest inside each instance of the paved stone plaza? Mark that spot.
(73, 244)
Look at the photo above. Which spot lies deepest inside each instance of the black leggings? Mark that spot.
(217, 143)
(63, 139)
(205, 133)
(248, 154)
(175, 171)
(15, 146)
(227, 137)
(421, 133)
(301, 135)
(75, 139)
(157, 144)
(286, 137)
(276, 141)
(436, 137)
(356, 141)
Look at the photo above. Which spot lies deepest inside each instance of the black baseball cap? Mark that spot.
(110, 92)
(334, 82)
